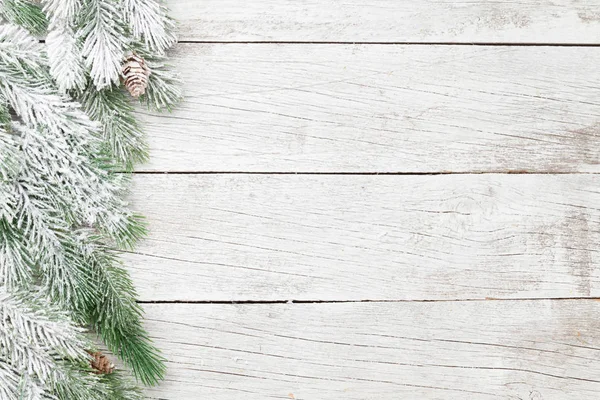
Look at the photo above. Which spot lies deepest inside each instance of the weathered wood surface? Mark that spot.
(480, 350)
(562, 21)
(381, 108)
(425, 250)
(319, 237)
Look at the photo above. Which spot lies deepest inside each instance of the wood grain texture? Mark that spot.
(425, 250)
(480, 350)
(562, 21)
(381, 108)
(320, 237)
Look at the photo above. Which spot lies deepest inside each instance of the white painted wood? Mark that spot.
(381, 108)
(332, 237)
(479, 350)
(558, 21)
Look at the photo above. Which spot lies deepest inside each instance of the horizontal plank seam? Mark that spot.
(496, 44)
(490, 44)
(258, 302)
(508, 172)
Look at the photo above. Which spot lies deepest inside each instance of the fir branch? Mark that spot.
(42, 355)
(61, 204)
(117, 317)
(122, 134)
(87, 195)
(64, 49)
(44, 326)
(15, 386)
(121, 388)
(94, 194)
(27, 88)
(5, 118)
(42, 349)
(10, 384)
(19, 47)
(164, 86)
(149, 23)
(104, 42)
(79, 383)
(25, 14)
(9, 161)
(15, 261)
(67, 209)
(65, 58)
(66, 10)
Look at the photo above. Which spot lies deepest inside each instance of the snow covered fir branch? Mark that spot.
(68, 137)
(39, 338)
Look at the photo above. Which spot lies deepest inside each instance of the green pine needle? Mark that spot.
(125, 141)
(121, 388)
(62, 191)
(118, 319)
(25, 14)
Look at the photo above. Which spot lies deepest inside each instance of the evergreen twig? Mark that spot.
(62, 207)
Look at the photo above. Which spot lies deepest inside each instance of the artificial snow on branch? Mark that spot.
(42, 356)
(65, 58)
(90, 46)
(149, 23)
(64, 49)
(103, 46)
(25, 14)
(67, 129)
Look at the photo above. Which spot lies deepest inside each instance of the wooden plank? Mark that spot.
(482, 350)
(331, 237)
(562, 21)
(381, 108)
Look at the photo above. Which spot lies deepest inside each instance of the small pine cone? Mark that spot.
(135, 75)
(101, 364)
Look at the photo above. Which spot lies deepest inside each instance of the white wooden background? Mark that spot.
(377, 200)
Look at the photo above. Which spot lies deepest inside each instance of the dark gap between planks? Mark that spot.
(498, 44)
(509, 172)
(495, 44)
(259, 302)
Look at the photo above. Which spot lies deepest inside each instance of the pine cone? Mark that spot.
(135, 75)
(101, 363)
